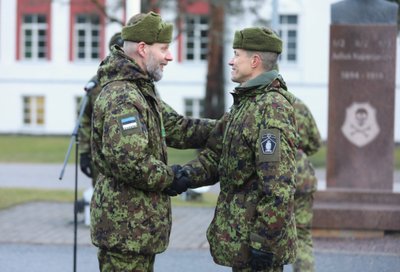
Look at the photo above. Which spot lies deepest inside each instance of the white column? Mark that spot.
(8, 27)
(60, 32)
(275, 15)
(132, 8)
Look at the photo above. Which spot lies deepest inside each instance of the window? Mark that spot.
(87, 37)
(87, 32)
(196, 37)
(194, 107)
(33, 110)
(34, 35)
(288, 33)
(33, 30)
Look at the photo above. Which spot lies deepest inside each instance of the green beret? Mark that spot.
(257, 39)
(149, 28)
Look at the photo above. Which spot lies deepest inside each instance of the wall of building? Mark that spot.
(62, 81)
(59, 80)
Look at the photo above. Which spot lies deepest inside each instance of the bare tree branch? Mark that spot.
(103, 10)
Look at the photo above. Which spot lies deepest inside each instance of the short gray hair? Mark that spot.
(268, 59)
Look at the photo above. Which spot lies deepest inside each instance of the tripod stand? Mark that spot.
(75, 138)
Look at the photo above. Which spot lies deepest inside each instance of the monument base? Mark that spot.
(342, 233)
(345, 209)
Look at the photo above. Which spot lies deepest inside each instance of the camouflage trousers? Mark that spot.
(303, 211)
(115, 262)
(249, 269)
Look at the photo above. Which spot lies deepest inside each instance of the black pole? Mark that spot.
(75, 138)
(76, 201)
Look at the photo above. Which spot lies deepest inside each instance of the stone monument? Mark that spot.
(359, 194)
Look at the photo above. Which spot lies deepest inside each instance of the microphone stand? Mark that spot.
(75, 137)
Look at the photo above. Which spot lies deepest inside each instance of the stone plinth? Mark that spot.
(361, 107)
(357, 210)
(362, 69)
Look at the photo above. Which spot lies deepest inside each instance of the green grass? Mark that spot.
(13, 196)
(34, 149)
(319, 158)
(397, 157)
(10, 197)
(52, 149)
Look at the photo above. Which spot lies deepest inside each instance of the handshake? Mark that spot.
(181, 181)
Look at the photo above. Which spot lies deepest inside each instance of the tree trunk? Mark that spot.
(214, 106)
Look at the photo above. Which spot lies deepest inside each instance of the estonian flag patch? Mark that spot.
(129, 123)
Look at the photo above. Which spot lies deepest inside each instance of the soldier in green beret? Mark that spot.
(306, 185)
(251, 152)
(306, 181)
(132, 126)
(93, 89)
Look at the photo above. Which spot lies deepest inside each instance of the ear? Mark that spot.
(142, 49)
(255, 61)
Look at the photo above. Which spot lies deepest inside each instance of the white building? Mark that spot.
(50, 49)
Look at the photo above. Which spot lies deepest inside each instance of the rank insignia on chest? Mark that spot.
(128, 123)
(269, 145)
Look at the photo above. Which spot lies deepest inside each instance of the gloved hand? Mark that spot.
(176, 168)
(85, 163)
(260, 260)
(180, 183)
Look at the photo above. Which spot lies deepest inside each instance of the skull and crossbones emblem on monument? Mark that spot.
(360, 126)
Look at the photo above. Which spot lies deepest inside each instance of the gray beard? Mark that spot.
(153, 69)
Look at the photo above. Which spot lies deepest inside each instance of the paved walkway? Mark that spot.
(22, 175)
(40, 235)
(52, 223)
(26, 175)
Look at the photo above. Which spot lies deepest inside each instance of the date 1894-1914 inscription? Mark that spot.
(365, 52)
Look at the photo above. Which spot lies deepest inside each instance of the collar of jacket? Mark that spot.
(250, 88)
(117, 66)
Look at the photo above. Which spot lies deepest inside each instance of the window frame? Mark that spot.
(87, 27)
(34, 110)
(199, 50)
(188, 8)
(80, 7)
(197, 107)
(35, 27)
(291, 43)
(33, 8)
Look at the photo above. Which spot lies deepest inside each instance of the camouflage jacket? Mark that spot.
(131, 127)
(309, 143)
(86, 121)
(251, 152)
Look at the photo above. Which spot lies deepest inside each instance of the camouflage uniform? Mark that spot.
(86, 121)
(130, 213)
(255, 205)
(111, 262)
(85, 129)
(310, 142)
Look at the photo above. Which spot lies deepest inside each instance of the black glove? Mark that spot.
(260, 260)
(180, 183)
(176, 168)
(86, 164)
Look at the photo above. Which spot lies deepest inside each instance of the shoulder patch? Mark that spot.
(129, 123)
(269, 149)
